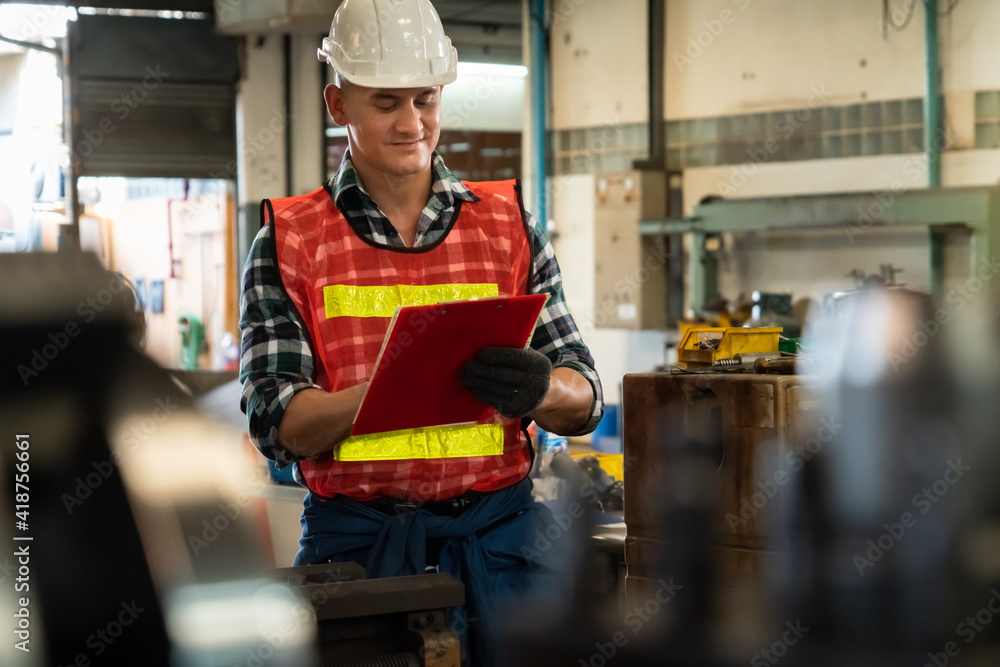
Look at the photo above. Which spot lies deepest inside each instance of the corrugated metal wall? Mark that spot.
(153, 97)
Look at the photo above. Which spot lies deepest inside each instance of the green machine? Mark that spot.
(970, 211)
(192, 341)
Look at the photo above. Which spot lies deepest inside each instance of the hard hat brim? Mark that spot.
(408, 81)
(338, 60)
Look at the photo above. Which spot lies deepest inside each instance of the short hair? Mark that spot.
(342, 83)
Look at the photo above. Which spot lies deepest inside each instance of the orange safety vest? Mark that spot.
(345, 289)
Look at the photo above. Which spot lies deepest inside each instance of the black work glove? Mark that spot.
(512, 380)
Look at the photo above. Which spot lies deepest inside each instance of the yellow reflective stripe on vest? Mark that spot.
(437, 442)
(381, 301)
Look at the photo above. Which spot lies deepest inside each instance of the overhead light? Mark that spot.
(336, 131)
(30, 22)
(144, 13)
(488, 69)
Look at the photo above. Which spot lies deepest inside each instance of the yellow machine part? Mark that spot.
(732, 341)
(613, 464)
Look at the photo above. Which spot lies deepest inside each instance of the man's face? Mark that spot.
(392, 130)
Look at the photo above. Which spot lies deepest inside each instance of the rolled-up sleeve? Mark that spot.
(556, 335)
(276, 360)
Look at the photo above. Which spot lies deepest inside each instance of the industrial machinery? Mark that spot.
(843, 516)
(730, 422)
(718, 345)
(131, 518)
(394, 621)
(943, 212)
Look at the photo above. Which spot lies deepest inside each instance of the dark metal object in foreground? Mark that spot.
(851, 524)
(65, 343)
(381, 622)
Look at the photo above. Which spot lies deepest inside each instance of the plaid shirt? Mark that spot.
(276, 360)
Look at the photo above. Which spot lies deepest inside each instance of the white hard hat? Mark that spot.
(390, 44)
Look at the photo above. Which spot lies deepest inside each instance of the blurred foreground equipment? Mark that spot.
(847, 516)
(63, 337)
(717, 427)
(875, 536)
(400, 621)
(136, 547)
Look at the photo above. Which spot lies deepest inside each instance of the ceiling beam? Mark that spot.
(169, 5)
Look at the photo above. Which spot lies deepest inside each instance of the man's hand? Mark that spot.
(316, 421)
(512, 380)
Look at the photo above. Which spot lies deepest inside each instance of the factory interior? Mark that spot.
(773, 222)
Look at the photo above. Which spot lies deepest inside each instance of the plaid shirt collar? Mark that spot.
(444, 185)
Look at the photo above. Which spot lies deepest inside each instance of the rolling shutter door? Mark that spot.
(153, 97)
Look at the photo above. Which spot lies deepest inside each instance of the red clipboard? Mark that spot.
(416, 383)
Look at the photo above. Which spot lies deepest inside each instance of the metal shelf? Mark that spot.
(971, 210)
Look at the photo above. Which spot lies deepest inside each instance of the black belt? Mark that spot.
(450, 507)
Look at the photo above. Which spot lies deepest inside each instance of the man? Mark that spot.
(395, 215)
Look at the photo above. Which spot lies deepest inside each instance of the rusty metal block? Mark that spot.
(731, 419)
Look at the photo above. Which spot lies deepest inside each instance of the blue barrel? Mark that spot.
(607, 437)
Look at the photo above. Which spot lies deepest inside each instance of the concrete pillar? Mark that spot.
(261, 118)
(308, 141)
